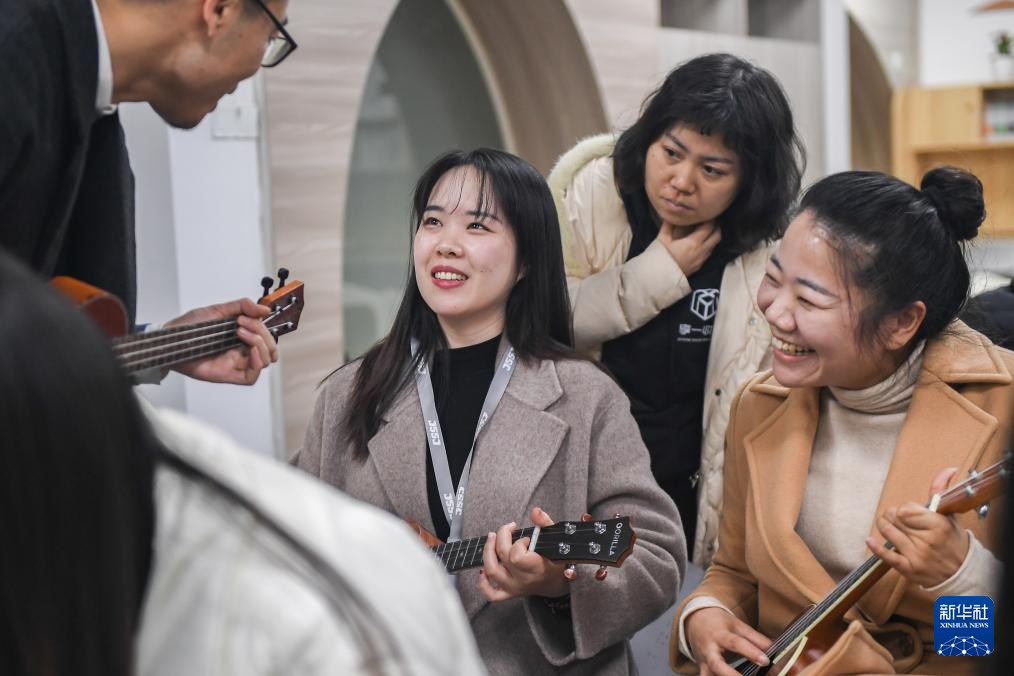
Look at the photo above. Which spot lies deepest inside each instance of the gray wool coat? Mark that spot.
(562, 439)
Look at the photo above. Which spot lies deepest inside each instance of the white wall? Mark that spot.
(955, 43)
(814, 75)
(893, 29)
(795, 64)
(834, 59)
(200, 232)
(158, 297)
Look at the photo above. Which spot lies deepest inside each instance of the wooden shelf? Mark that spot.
(964, 146)
(944, 125)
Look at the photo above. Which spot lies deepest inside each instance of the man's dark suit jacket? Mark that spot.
(66, 189)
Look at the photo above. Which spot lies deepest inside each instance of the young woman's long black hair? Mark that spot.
(77, 461)
(742, 104)
(538, 322)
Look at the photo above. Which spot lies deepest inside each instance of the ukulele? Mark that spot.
(178, 344)
(816, 629)
(605, 542)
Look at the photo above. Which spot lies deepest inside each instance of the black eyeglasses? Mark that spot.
(279, 46)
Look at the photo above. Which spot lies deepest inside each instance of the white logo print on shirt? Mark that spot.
(704, 303)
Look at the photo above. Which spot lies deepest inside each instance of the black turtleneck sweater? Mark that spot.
(461, 379)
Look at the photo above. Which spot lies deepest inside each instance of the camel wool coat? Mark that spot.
(959, 416)
(562, 439)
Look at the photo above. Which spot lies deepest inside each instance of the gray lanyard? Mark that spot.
(452, 500)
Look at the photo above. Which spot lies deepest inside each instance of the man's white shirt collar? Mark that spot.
(104, 91)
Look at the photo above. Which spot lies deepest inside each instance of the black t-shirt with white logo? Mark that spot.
(662, 367)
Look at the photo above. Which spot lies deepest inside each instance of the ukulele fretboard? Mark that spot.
(173, 345)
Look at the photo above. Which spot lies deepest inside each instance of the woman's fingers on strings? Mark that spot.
(504, 542)
(759, 640)
(540, 518)
(917, 518)
(492, 593)
(888, 527)
(891, 557)
(490, 561)
(496, 576)
(518, 555)
(743, 640)
(941, 480)
(716, 664)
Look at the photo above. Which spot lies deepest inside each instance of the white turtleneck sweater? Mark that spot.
(852, 451)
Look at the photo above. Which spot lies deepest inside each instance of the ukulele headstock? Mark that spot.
(977, 490)
(286, 303)
(604, 542)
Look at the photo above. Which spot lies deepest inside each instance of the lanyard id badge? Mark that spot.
(453, 500)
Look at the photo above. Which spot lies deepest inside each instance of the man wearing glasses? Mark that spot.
(66, 189)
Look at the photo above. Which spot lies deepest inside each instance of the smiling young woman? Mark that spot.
(666, 231)
(877, 398)
(415, 426)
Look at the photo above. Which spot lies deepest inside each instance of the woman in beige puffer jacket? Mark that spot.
(666, 232)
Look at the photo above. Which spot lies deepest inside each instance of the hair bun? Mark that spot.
(957, 196)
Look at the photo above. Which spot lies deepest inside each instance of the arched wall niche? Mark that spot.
(545, 94)
(539, 73)
(870, 103)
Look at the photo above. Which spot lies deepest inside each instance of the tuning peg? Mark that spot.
(570, 572)
(283, 274)
(586, 517)
(266, 283)
(601, 573)
(983, 510)
(616, 515)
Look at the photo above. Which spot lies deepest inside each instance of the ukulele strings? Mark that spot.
(181, 343)
(202, 328)
(183, 353)
(171, 331)
(170, 344)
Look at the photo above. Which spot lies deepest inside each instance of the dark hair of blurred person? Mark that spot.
(75, 491)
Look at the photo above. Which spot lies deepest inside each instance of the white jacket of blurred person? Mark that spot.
(227, 596)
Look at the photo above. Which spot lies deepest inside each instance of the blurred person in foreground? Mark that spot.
(144, 542)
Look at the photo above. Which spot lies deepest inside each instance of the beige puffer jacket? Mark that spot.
(611, 297)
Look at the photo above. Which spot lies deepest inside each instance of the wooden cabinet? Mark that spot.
(959, 126)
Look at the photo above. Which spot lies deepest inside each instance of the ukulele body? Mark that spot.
(428, 538)
(810, 647)
(104, 308)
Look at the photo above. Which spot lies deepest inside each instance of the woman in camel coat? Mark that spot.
(876, 391)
